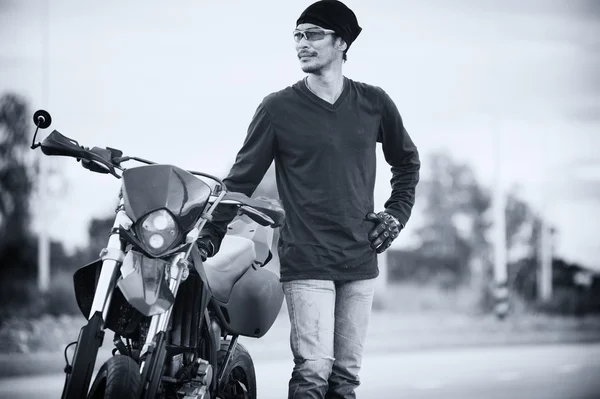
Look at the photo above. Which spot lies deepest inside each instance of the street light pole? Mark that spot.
(499, 228)
(544, 267)
(545, 262)
(43, 239)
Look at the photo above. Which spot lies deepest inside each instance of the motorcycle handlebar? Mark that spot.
(107, 160)
(100, 160)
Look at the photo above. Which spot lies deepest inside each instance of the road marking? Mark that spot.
(568, 368)
(508, 376)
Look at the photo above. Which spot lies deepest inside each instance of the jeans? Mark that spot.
(329, 322)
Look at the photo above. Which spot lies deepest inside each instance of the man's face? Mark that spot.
(315, 47)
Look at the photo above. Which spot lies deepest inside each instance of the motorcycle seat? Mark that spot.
(223, 270)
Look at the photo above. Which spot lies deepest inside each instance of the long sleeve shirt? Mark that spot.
(325, 166)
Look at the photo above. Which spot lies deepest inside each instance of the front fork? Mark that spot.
(91, 336)
(154, 350)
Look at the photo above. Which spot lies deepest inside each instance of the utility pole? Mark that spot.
(499, 228)
(545, 262)
(544, 269)
(43, 216)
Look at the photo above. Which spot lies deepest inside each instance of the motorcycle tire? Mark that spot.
(239, 378)
(118, 378)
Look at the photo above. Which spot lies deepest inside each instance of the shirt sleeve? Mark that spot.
(251, 163)
(402, 155)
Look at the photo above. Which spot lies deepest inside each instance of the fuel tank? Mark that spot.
(246, 297)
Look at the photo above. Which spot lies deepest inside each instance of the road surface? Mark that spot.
(521, 372)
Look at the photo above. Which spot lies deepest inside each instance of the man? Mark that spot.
(322, 134)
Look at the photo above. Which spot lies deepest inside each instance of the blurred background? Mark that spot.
(502, 99)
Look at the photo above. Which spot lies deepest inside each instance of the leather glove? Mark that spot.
(385, 231)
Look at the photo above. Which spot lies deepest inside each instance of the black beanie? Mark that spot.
(334, 15)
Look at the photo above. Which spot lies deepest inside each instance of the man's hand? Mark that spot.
(206, 247)
(385, 231)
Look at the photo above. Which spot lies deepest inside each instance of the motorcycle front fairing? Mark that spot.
(146, 191)
(152, 187)
(141, 290)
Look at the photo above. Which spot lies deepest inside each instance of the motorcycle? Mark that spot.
(176, 316)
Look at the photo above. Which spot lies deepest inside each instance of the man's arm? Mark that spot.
(251, 164)
(402, 155)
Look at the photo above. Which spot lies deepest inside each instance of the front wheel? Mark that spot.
(239, 378)
(118, 378)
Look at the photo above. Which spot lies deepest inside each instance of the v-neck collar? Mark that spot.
(318, 100)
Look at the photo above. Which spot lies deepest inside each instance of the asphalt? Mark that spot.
(555, 371)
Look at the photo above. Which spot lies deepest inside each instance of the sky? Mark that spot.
(179, 83)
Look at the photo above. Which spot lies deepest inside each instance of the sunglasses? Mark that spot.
(311, 35)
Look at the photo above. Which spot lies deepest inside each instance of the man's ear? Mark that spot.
(341, 44)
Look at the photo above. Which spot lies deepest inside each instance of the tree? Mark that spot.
(16, 183)
(455, 223)
(457, 220)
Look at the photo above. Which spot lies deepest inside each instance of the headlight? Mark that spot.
(158, 231)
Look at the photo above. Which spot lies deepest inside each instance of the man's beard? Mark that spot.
(314, 68)
(311, 68)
